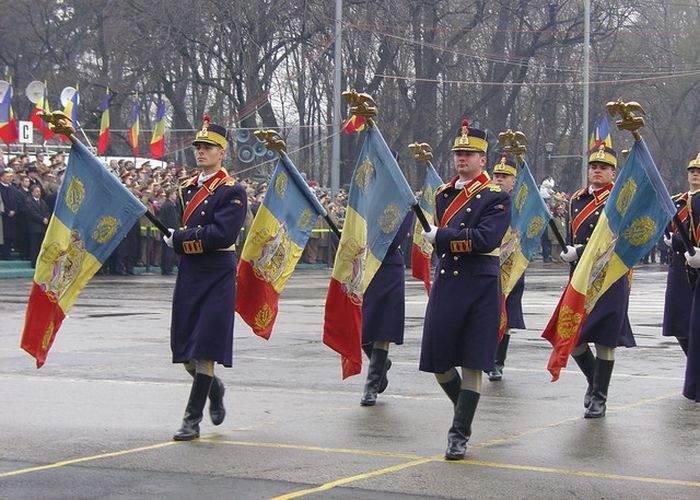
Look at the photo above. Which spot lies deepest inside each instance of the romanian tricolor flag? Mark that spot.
(378, 201)
(529, 217)
(157, 145)
(635, 215)
(274, 245)
(356, 123)
(103, 139)
(421, 249)
(601, 134)
(39, 124)
(133, 125)
(8, 124)
(93, 213)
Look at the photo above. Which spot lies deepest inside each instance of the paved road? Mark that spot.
(96, 420)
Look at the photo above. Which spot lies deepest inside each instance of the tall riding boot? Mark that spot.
(452, 388)
(683, 342)
(195, 407)
(496, 372)
(586, 362)
(384, 382)
(217, 412)
(461, 429)
(601, 381)
(377, 367)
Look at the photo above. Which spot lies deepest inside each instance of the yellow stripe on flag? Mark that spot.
(280, 256)
(64, 266)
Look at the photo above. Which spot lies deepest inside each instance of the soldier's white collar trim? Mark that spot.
(204, 178)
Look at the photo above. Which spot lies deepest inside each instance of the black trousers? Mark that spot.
(546, 247)
(168, 258)
(35, 240)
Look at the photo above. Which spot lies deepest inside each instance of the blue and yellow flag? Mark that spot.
(422, 249)
(378, 202)
(635, 215)
(93, 213)
(274, 245)
(529, 217)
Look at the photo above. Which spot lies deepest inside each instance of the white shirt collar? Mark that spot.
(204, 178)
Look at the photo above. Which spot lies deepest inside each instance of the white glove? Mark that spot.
(693, 260)
(430, 235)
(570, 255)
(667, 240)
(169, 239)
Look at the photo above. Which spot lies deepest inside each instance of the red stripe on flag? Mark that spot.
(103, 142)
(43, 319)
(342, 329)
(158, 148)
(258, 304)
(503, 318)
(9, 133)
(420, 266)
(564, 329)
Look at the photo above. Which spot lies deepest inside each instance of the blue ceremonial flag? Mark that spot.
(378, 202)
(94, 211)
(277, 238)
(635, 215)
(529, 217)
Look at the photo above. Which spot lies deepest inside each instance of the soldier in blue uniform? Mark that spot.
(691, 386)
(679, 291)
(213, 211)
(504, 173)
(383, 314)
(462, 316)
(607, 325)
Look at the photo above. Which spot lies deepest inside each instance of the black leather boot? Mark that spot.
(377, 368)
(384, 382)
(217, 412)
(496, 372)
(195, 407)
(452, 388)
(601, 381)
(586, 362)
(461, 429)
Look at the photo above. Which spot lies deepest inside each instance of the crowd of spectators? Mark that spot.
(26, 211)
(28, 188)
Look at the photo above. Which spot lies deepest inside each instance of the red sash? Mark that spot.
(464, 196)
(599, 198)
(682, 212)
(204, 192)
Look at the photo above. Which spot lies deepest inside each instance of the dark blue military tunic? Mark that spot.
(205, 290)
(383, 303)
(462, 316)
(691, 386)
(608, 323)
(514, 305)
(679, 294)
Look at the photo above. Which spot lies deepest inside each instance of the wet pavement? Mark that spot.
(97, 419)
